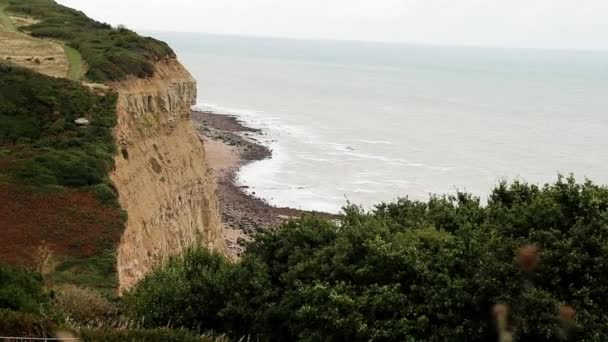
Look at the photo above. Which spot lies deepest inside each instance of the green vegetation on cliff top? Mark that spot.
(111, 54)
(54, 181)
(408, 271)
(77, 69)
(38, 113)
(5, 21)
(59, 213)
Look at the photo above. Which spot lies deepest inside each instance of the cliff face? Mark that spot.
(161, 172)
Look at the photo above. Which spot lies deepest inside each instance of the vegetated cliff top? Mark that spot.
(61, 208)
(111, 54)
(54, 186)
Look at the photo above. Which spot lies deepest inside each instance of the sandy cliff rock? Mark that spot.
(161, 172)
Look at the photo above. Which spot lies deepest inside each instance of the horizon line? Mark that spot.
(339, 40)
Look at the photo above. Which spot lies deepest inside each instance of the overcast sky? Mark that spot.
(566, 24)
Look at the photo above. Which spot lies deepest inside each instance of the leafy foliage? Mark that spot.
(21, 290)
(110, 53)
(39, 113)
(17, 323)
(197, 272)
(408, 271)
(82, 306)
(96, 272)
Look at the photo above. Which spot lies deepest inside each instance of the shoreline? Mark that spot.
(230, 145)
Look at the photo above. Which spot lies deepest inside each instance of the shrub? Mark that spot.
(98, 271)
(105, 194)
(13, 323)
(82, 306)
(40, 112)
(71, 167)
(187, 292)
(21, 289)
(408, 270)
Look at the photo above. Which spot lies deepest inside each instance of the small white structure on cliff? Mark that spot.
(82, 122)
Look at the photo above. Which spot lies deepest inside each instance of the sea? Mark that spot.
(366, 123)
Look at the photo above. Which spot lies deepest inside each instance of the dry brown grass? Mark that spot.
(68, 222)
(36, 54)
(23, 21)
(82, 307)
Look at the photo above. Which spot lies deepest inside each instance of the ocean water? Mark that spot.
(371, 122)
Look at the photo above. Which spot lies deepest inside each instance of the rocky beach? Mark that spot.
(229, 145)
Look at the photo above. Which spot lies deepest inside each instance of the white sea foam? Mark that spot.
(367, 182)
(442, 168)
(254, 118)
(367, 191)
(340, 147)
(394, 161)
(264, 177)
(321, 160)
(347, 152)
(375, 142)
(400, 182)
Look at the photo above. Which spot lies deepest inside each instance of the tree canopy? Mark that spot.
(406, 271)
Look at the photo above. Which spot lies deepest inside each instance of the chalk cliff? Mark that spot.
(161, 173)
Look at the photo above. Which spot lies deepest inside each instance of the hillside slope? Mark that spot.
(58, 209)
(156, 166)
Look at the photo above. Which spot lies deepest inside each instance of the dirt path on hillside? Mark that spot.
(36, 54)
(41, 55)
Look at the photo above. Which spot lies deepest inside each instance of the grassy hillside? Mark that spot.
(77, 68)
(110, 53)
(5, 21)
(42, 55)
(60, 221)
(53, 177)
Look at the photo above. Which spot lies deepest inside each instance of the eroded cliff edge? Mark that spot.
(161, 172)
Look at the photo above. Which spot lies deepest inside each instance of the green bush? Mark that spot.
(192, 294)
(72, 167)
(13, 323)
(40, 112)
(97, 272)
(105, 194)
(21, 289)
(407, 271)
(111, 54)
(82, 306)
